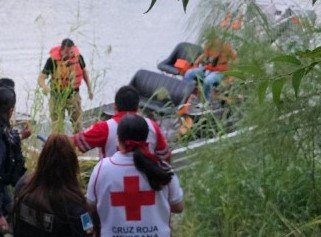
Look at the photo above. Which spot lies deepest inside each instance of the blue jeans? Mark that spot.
(208, 78)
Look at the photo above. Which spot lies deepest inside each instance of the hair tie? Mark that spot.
(130, 145)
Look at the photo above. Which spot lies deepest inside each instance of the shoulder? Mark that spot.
(50, 61)
(106, 164)
(151, 123)
(100, 166)
(22, 182)
(98, 126)
(154, 123)
(102, 171)
(48, 68)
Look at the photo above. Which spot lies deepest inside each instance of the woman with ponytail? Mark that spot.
(133, 191)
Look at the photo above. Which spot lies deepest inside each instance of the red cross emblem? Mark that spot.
(132, 198)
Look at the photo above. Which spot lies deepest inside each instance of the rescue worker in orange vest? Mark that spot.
(67, 69)
(210, 64)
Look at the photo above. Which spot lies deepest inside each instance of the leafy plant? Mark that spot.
(266, 180)
(184, 2)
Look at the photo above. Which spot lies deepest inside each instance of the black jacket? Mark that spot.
(11, 163)
(29, 221)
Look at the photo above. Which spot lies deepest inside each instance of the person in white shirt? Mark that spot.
(134, 191)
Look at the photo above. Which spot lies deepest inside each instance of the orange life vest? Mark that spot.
(224, 54)
(182, 65)
(66, 73)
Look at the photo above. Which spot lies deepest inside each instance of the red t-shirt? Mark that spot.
(96, 136)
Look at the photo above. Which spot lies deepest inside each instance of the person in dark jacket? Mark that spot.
(11, 158)
(50, 202)
(9, 83)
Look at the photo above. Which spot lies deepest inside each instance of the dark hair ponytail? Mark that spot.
(135, 128)
(157, 175)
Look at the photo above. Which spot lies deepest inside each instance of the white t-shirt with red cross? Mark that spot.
(126, 204)
(103, 135)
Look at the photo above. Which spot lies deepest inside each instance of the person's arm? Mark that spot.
(95, 136)
(19, 168)
(48, 68)
(231, 54)
(175, 195)
(177, 208)
(91, 197)
(91, 194)
(162, 151)
(42, 83)
(86, 76)
(199, 59)
(87, 81)
(4, 226)
(3, 222)
(26, 132)
(217, 68)
(95, 217)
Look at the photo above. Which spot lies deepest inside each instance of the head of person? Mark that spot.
(127, 99)
(54, 181)
(7, 99)
(7, 82)
(132, 133)
(213, 44)
(67, 46)
(58, 164)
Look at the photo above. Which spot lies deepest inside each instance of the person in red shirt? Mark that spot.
(133, 191)
(103, 134)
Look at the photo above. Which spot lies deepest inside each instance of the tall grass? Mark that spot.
(39, 108)
(266, 181)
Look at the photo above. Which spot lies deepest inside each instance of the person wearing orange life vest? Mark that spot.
(67, 69)
(103, 134)
(214, 60)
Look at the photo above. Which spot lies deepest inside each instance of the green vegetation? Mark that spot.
(185, 3)
(265, 181)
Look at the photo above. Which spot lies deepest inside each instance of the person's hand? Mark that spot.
(46, 90)
(25, 133)
(4, 226)
(90, 94)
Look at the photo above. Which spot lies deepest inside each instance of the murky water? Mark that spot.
(114, 36)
